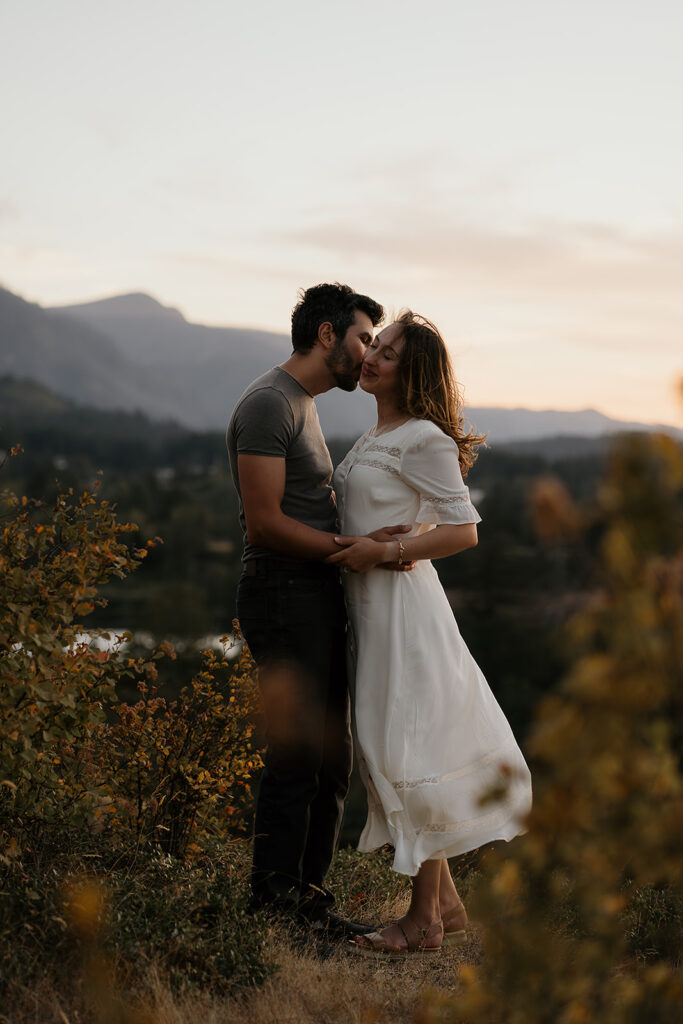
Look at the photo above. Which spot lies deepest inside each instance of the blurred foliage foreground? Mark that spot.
(581, 917)
(116, 818)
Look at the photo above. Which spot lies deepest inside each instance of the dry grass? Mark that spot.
(346, 989)
(343, 989)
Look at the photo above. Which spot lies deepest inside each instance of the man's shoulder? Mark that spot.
(262, 396)
(266, 418)
(270, 380)
(277, 386)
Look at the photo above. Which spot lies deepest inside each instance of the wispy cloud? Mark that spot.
(587, 280)
(565, 257)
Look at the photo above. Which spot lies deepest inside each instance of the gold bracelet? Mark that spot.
(401, 552)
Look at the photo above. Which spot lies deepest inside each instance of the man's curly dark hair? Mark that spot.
(329, 303)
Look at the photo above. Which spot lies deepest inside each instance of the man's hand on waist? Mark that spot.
(389, 533)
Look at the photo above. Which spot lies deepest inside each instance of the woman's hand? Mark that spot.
(387, 533)
(359, 554)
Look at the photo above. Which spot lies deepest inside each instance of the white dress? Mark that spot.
(432, 739)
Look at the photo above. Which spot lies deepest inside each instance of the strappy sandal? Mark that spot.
(415, 944)
(453, 936)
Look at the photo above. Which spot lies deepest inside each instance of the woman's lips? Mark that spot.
(367, 373)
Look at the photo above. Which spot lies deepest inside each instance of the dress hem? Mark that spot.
(409, 857)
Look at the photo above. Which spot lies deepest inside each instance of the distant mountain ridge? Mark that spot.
(33, 416)
(73, 359)
(144, 331)
(132, 353)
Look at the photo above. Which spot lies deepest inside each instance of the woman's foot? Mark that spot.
(406, 936)
(454, 920)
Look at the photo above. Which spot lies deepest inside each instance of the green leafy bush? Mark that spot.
(186, 919)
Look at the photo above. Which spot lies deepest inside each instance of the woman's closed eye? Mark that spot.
(388, 353)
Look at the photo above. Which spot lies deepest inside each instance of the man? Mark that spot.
(290, 603)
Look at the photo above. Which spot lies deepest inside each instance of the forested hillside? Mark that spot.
(508, 594)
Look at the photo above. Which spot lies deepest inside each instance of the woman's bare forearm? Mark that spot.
(445, 540)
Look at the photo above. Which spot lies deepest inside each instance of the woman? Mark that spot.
(432, 739)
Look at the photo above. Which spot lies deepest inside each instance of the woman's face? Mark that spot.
(379, 373)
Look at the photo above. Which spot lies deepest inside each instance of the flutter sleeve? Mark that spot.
(431, 467)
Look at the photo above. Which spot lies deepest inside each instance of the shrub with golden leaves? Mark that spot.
(564, 909)
(170, 772)
(72, 756)
(54, 684)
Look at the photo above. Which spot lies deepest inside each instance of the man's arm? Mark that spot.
(262, 485)
(363, 553)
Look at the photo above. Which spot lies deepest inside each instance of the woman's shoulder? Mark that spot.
(427, 433)
(427, 428)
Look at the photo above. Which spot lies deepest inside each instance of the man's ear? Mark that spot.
(326, 335)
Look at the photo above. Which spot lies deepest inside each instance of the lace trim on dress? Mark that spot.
(455, 508)
(461, 826)
(430, 780)
(377, 464)
(500, 814)
(387, 449)
(412, 783)
(447, 502)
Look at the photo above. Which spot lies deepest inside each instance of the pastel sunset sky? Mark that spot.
(511, 170)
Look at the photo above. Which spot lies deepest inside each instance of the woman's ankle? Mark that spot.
(453, 910)
(424, 917)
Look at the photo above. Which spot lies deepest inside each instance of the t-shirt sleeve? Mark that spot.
(431, 467)
(264, 424)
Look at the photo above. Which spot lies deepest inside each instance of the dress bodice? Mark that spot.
(410, 474)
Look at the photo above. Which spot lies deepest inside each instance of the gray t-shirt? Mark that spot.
(276, 416)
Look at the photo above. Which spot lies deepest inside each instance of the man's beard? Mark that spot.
(340, 364)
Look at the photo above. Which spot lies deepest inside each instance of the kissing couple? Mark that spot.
(338, 591)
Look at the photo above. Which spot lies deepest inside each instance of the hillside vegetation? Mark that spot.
(126, 773)
(509, 594)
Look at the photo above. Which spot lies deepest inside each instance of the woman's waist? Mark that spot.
(361, 526)
(379, 579)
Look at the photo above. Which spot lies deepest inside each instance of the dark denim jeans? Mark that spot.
(293, 617)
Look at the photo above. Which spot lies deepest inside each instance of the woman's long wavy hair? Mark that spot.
(429, 390)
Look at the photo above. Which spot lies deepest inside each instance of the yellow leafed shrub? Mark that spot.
(96, 794)
(171, 772)
(75, 762)
(581, 917)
